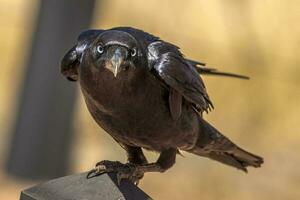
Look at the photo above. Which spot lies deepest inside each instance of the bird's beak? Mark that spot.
(115, 62)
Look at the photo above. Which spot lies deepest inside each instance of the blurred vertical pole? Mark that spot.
(42, 133)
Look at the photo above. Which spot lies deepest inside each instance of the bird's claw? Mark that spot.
(102, 167)
(124, 171)
(129, 172)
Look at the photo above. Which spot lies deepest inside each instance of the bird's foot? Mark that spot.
(124, 171)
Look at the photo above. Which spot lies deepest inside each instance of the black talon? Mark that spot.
(92, 173)
(95, 172)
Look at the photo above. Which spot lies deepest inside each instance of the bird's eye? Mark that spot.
(133, 52)
(100, 49)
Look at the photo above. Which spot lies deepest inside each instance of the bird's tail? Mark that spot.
(212, 144)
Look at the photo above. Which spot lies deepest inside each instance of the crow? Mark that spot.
(147, 95)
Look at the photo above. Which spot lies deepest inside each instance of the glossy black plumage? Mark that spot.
(146, 94)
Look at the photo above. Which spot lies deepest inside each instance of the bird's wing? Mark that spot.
(171, 67)
(71, 60)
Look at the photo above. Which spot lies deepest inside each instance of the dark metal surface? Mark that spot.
(78, 187)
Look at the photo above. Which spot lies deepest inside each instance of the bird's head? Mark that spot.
(115, 51)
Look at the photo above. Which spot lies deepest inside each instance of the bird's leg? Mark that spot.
(135, 157)
(165, 161)
(134, 172)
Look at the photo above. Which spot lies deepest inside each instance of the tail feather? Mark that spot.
(203, 69)
(239, 159)
(212, 71)
(227, 159)
(248, 158)
(212, 144)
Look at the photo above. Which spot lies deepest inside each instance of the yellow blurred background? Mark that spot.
(260, 38)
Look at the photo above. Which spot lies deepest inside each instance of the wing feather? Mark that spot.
(172, 68)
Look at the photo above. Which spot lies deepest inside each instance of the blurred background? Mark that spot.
(46, 131)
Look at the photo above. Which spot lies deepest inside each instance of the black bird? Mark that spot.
(146, 94)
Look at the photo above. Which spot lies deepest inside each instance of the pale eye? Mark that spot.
(100, 49)
(133, 52)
